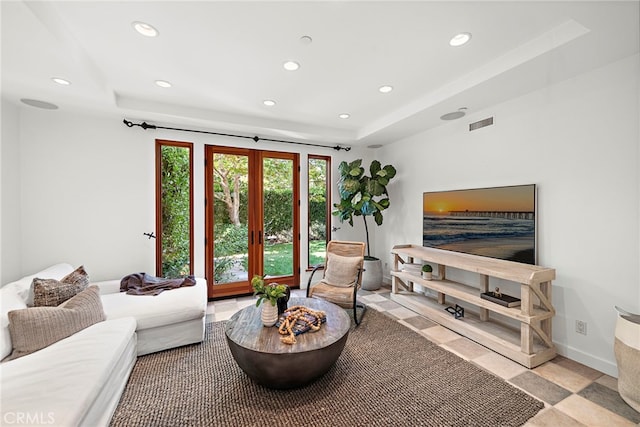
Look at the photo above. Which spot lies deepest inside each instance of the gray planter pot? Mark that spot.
(372, 276)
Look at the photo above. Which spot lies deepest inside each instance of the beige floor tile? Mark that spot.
(608, 381)
(372, 298)
(589, 413)
(551, 417)
(224, 315)
(466, 348)
(226, 305)
(401, 313)
(577, 367)
(499, 365)
(211, 308)
(374, 306)
(440, 334)
(419, 322)
(246, 303)
(562, 376)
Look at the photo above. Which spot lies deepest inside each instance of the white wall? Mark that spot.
(88, 191)
(579, 141)
(10, 263)
(87, 194)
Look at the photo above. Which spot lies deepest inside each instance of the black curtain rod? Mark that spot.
(145, 126)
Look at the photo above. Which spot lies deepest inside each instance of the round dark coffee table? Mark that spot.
(271, 363)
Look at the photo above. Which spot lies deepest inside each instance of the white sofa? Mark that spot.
(78, 380)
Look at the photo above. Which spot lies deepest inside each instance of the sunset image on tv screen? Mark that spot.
(494, 222)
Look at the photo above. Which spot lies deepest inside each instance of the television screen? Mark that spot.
(495, 222)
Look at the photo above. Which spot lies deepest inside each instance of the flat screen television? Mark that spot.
(498, 222)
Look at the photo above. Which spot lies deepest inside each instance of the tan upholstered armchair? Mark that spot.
(342, 276)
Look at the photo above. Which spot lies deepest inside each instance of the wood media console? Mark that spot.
(530, 345)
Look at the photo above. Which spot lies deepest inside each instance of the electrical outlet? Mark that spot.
(581, 327)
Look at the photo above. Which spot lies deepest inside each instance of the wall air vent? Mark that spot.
(481, 124)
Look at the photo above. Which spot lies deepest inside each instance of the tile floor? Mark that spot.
(574, 394)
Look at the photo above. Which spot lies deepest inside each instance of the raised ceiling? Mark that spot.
(224, 58)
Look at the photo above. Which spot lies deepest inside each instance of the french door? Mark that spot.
(252, 221)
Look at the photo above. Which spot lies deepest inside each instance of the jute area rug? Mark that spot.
(387, 375)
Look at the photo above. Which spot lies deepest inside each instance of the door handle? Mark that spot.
(260, 237)
(252, 237)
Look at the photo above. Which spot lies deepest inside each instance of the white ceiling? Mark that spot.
(225, 57)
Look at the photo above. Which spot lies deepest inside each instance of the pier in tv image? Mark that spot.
(498, 222)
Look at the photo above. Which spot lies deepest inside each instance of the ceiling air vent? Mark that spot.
(481, 124)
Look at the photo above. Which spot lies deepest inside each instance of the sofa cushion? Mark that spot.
(64, 383)
(341, 270)
(170, 307)
(51, 292)
(35, 328)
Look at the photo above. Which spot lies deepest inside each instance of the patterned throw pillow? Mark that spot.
(51, 292)
(35, 328)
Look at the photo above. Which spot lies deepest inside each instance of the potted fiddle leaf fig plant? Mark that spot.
(270, 293)
(364, 195)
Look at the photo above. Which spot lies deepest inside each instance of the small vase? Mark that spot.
(427, 275)
(269, 314)
(282, 301)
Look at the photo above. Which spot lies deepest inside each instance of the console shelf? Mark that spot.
(530, 345)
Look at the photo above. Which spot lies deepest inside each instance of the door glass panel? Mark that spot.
(277, 183)
(230, 230)
(318, 209)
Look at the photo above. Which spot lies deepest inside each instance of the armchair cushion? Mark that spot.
(338, 295)
(342, 271)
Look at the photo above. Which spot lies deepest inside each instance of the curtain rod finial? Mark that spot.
(256, 139)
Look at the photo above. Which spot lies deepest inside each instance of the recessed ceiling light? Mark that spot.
(375, 146)
(61, 81)
(39, 104)
(460, 39)
(306, 40)
(455, 114)
(344, 116)
(145, 29)
(291, 66)
(163, 83)
(269, 102)
(385, 89)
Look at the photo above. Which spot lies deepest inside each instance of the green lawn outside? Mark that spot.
(278, 258)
